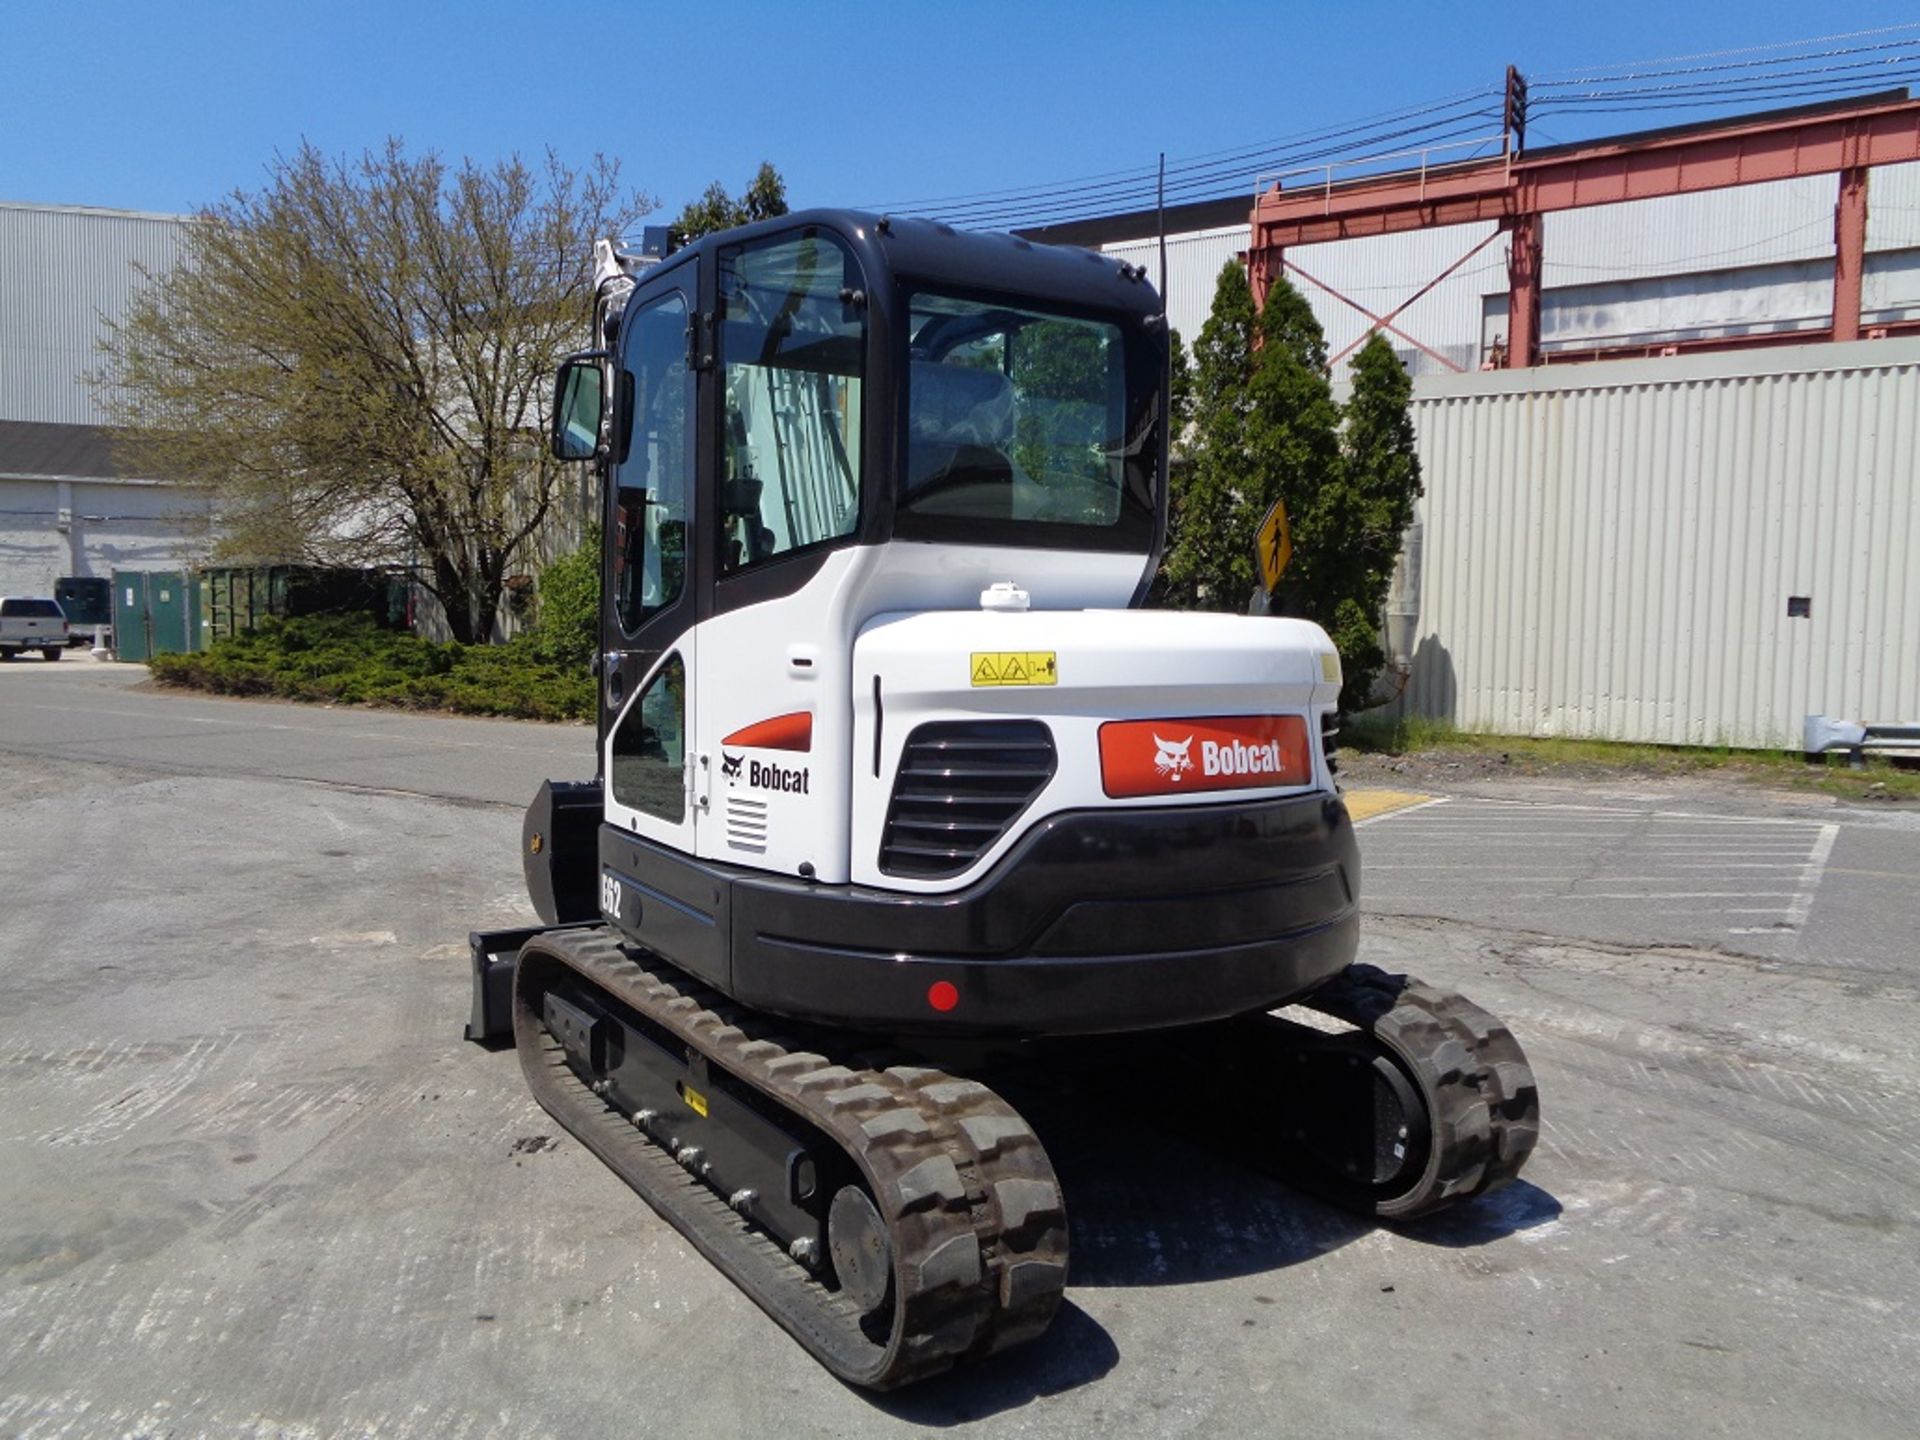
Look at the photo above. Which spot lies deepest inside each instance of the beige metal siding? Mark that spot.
(1609, 549)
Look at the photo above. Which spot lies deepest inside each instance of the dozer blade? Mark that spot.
(786, 1169)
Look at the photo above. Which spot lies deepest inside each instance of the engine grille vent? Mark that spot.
(961, 784)
(1330, 739)
(747, 824)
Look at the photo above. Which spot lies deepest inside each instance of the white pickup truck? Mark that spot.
(32, 623)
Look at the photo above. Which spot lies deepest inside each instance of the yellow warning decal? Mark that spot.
(696, 1102)
(1329, 667)
(1014, 667)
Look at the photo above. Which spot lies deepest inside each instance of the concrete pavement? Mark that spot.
(252, 1183)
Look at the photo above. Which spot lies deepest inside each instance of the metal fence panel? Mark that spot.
(1612, 550)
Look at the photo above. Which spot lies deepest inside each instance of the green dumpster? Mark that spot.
(154, 612)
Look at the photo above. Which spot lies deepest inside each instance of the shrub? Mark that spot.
(568, 631)
(348, 659)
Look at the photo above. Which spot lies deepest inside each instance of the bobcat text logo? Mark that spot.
(1174, 756)
(789, 779)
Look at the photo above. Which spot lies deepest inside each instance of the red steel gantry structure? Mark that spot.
(1516, 190)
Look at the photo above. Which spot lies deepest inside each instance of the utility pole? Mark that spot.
(1514, 114)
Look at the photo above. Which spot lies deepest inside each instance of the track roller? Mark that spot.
(1422, 1099)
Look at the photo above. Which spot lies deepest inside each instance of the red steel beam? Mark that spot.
(1849, 252)
(1379, 322)
(1523, 291)
(1394, 314)
(1748, 153)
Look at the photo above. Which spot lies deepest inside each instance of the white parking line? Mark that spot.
(1810, 876)
(1586, 857)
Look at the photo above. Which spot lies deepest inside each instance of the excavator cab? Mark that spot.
(890, 756)
(879, 499)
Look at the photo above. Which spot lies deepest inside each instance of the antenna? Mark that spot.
(1160, 220)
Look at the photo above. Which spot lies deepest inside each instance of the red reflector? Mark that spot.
(783, 732)
(942, 995)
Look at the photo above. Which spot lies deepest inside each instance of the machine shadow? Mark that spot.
(1075, 1351)
(1188, 1214)
(1148, 1206)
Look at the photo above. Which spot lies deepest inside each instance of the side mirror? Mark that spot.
(579, 402)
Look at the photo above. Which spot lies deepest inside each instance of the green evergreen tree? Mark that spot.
(1293, 431)
(1264, 427)
(1382, 482)
(1179, 388)
(1201, 567)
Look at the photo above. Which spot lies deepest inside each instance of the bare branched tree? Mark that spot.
(356, 360)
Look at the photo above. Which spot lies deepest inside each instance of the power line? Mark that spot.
(1747, 84)
(1215, 185)
(1719, 101)
(1220, 177)
(1720, 78)
(1750, 49)
(1193, 162)
(1657, 72)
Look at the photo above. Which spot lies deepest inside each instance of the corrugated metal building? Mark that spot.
(68, 505)
(1690, 550)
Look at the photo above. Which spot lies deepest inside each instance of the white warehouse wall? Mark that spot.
(53, 527)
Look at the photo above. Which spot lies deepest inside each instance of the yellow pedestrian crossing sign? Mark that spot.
(1014, 667)
(1273, 546)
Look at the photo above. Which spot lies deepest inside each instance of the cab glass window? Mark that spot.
(792, 351)
(650, 747)
(650, 504)
(1027, 419)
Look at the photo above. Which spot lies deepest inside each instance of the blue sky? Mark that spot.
(167, 106)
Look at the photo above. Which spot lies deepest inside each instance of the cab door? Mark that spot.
(650, 579)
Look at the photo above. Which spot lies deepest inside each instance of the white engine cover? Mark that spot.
(780, 770)
(1105, 666)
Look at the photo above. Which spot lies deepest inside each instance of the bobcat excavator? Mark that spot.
(893, 770)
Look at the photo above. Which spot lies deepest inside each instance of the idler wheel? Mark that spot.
(862, 1254)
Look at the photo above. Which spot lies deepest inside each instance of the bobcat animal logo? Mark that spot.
(1173, 757)
(730, 766)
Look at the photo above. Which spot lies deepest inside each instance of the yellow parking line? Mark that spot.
(1372, 804)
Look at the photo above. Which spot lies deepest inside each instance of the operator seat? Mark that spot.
(962, 421)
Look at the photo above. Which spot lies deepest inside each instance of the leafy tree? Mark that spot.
(764, 198)
(357, 360)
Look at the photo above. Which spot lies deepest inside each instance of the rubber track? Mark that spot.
(1482, 1104)
(974, 1211)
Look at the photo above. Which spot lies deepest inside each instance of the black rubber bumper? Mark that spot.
(1102, 920)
